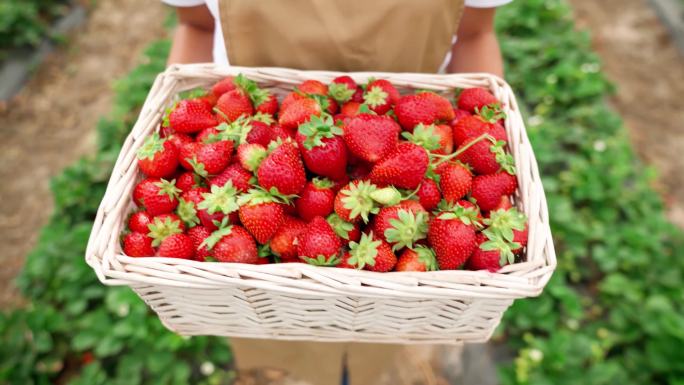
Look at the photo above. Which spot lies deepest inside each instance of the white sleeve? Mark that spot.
(183, 3)
(486, 3)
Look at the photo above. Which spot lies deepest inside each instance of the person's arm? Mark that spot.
(194, 36)
(476, 48)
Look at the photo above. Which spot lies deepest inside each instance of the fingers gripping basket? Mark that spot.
(297, 301)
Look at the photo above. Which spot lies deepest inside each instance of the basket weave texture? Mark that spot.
(296, 301)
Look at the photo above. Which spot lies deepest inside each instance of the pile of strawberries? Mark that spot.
(333, 175)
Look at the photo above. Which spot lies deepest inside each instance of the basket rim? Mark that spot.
(114, 268)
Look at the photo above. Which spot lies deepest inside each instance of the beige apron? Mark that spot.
(341, 35)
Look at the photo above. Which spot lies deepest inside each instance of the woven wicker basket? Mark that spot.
(296, 301)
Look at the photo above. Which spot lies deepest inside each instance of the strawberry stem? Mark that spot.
(445, 158)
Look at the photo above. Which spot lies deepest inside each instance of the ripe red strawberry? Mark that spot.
(504, 204)
(313, 87)
(403, 167)
(520, 237)
(283, 170)
(163, 226)
(283, 243)
(505, 236)
(269, 106)
(187, 181)
(316, 199)
(179, 139)
(261, 214)
(354, 202)
(474, 126)
(290, 98)
(187, 205)
(209, 134)
(323, 149)
(318, 244)
(138, 245)
(209, 99)
(372, 254)
(342, 88)
(347, 231)
(485, 157)
(198, 234)
(209, 158)
(168, 219)
(157, 158)
(428, 194)
(420, 258)
(437, 139)
(220, 202)
(232, 105)
(380, 96)
(484, 259)
(187, 153)
(232, 244)
(371, 137)
(452, 240)
(238, 176)
(176, 246)
(260, 133)
(298, 112)
(401, 225)
(455, 181)
(425, 107)
(158, 196)
(475, 98)
(222, 86)
(138, 222)
(350, 109)
(458, 115)
(251, 155)
(190, 116)
(488, 189)
(280, 133)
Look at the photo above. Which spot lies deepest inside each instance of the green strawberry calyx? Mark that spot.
(236, 131)
(467, 215)
(151, 147)
(491, 113)
(364, 251)
(503, 158)
(318, 128)
(263, 118)
(357, 199)
(375, 96)
(197, 167)
(187, 212)
(223, 230)
(253, 156)
(427, 257)
(259, 195)
(503, 222)
(168, 188)
(161, 229)
(322, 260)
(322, 183)
(340, 92)
(250, 87)
(221, 199)
(341, 227)
(424, 136)
(505, 249)
(407, 229)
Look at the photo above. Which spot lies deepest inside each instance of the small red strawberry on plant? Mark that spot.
(157, 158)
(420, 258)
(372, 254)
(284, 242)
(322, 147)
(138, 245)
(283, 170)
(318, 244)
(138, 222)
(404, 167)
(371, 137)
(157, 196)
(380, 96)
(347, 231)
(190, 116)
(316, 199)
(261, 213)
(232, 243)
(471, 99)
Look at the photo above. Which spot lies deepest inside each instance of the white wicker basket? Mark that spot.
(296, 301)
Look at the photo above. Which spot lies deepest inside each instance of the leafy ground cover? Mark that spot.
(611, 314)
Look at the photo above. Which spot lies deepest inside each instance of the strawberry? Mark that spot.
(458, 115)
(488, 189)
(471, 99)
(177, 246)
(371, 254)
(403, 167)
(344, 262)
(342, 88)
(298, 112)
(208, 135)
(232, 243)
(260, 133)
(420, 258)
(210, 158)
(401, 225)
(219, 202)
(164, 225)
(137, 245)
(484, 259)
(190, 116)
(452, 240)
(455, 181)
(269, 106)
(290, 98)
(428, 194)
(354, 202)
(138, 221)
(505, 236)
(323, 149)
(187, 181)
(371, 137)
(437, 139)
(422, 108)
(283, 170)
(350, 109)
(157, 196)
(238, 176)
(187, 205)
(283, 244)
(157, 158)
(280, 133)
(313, 87)
(318, 244)
(179, 139)
(348, 232)
(187, 153)
(261, 214)
(380, 96)
(232, 105)
(250, 155)
(316, 199)
(504, 203)
(486, 122)
(486, 156)
(222, 86)
(198, 234)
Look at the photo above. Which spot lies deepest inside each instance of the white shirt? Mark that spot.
(221, 56)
